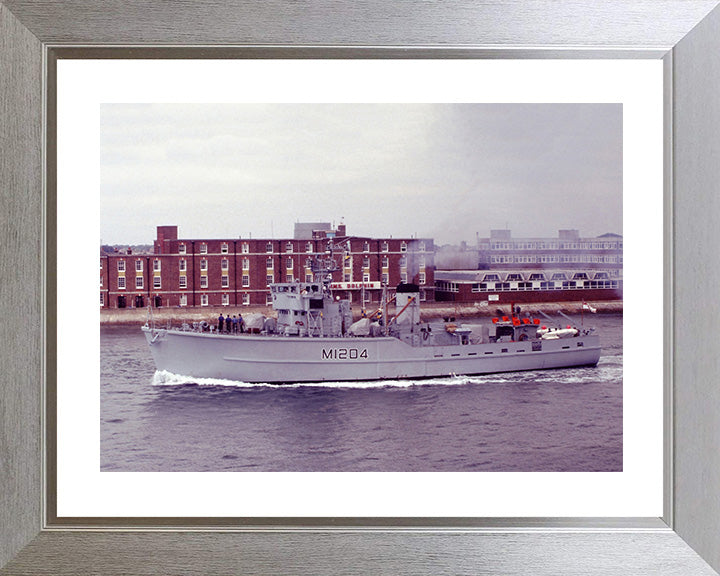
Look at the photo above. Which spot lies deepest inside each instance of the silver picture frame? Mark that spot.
(684, 34)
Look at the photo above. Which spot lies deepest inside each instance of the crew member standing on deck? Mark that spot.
(221, 320)
(241, 323)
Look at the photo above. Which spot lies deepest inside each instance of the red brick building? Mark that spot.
(237, 272)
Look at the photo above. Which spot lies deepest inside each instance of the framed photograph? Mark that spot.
(616, 106)
(70, 505)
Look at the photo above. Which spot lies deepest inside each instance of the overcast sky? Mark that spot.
(446, 171)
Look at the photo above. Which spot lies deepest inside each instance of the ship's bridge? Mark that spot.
(304, 309)
(297, 296)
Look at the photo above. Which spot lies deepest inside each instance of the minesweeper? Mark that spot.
(314, 339)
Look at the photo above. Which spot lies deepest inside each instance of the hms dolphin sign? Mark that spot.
(355, 285)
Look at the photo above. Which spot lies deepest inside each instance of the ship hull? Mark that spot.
(274, 359)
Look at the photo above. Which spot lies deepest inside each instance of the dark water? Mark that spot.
(554, 420)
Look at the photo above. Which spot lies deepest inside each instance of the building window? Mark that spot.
(366, 262)
(246, 280)
(156, 265)
(183, 281)
(204, 300)
(203, 248)
(224, 281)
(347, 277)
(403, 277)
(421, 278)
(224, 264)
(366, 246)
(157, 282)
(203, 264)
(246, 299)
(183, 299)
(203, 281)
(101, 264)
(288, 247)
(385, 247)
(269, 247)
(183, 265)
(385, 262)
(102, 299)
(182, 249)
(289, 278)
(245, 248)
(289, 264)
(447, 286)
(139, 283)
(226, 299)
(269, 279)
(308, 277)
(421, 247)
(385, 278)
(269, 264)
(268, 300)
(403, 246)
(138, 265)
(309, 247)
(366, 277)
(101, 280)
(224, 248)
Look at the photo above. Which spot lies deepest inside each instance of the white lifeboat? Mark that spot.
(555, 334)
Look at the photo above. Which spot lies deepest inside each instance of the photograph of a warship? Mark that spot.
(314, 339)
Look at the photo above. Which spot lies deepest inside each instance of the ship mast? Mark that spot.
(323, 267)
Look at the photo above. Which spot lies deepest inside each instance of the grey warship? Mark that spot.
(314, 339)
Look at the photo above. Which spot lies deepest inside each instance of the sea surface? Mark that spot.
(552, 420)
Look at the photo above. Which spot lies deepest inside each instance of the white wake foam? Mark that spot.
(165, 378)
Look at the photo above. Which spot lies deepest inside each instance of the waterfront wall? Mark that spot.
(177, 315)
